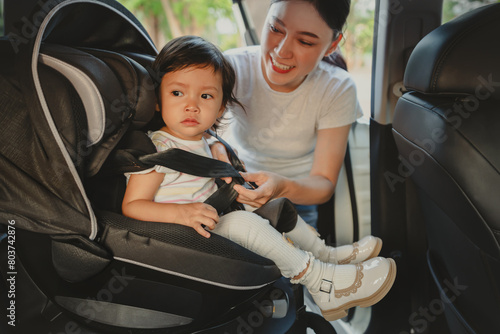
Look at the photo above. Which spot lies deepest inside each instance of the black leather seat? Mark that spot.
(447, 130)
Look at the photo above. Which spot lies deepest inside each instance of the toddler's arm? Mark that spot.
(138, 203)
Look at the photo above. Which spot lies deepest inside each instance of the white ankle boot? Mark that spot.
(307, 238)
(336, 288)
(366, 248)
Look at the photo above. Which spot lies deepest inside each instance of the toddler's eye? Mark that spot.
(177, 93)
(206, 96)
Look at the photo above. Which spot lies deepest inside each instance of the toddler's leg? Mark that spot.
(256, 234)
(308, 239)
(335, 288)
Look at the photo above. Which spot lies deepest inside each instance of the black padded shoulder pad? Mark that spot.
(280, 212)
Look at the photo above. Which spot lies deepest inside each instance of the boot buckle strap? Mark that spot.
(326, 287)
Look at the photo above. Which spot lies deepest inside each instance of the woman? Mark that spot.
(292, 134)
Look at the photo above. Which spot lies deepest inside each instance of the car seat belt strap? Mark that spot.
(194, 164)
(190, 163)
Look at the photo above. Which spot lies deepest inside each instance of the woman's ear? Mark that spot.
(331, 49)
(157, 108)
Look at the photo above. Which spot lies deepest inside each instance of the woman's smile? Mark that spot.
(280, 68)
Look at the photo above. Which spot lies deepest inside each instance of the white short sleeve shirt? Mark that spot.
(277, 131)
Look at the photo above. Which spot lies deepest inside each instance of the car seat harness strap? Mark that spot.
(223, 200)
(280, 212)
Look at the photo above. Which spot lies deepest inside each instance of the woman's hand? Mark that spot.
(196, 215)
(271, 186)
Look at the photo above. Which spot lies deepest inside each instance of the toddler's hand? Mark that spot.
(196, 215)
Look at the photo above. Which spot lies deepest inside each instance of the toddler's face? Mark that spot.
(191, 101)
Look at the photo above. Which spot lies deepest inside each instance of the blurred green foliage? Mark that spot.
(357, 46)
(454, 8)
(166, 19)
(1, 19)
(214, 20)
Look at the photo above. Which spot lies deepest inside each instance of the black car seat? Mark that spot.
(446, 127)
(71, 96)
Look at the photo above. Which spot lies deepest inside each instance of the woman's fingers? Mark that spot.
(251, 197)
(251, 177)
(247, 193)
(268, 188)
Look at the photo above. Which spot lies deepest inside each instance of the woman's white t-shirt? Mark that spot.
(277, 131)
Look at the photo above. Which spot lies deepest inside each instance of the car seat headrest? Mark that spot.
(112, 86)
(89, 91)
(460, 57)
(114, 89)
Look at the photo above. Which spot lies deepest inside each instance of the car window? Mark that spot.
(2, 32)
(358, 43)
(454, 8)
(357, 49)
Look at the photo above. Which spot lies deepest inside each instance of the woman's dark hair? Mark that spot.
(188, 51)
(333, 12)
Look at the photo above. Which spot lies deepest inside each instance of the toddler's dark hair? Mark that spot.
(188, 51)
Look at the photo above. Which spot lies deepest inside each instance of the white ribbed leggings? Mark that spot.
(258, 235)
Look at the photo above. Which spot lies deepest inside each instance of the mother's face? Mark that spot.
(294, 40)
